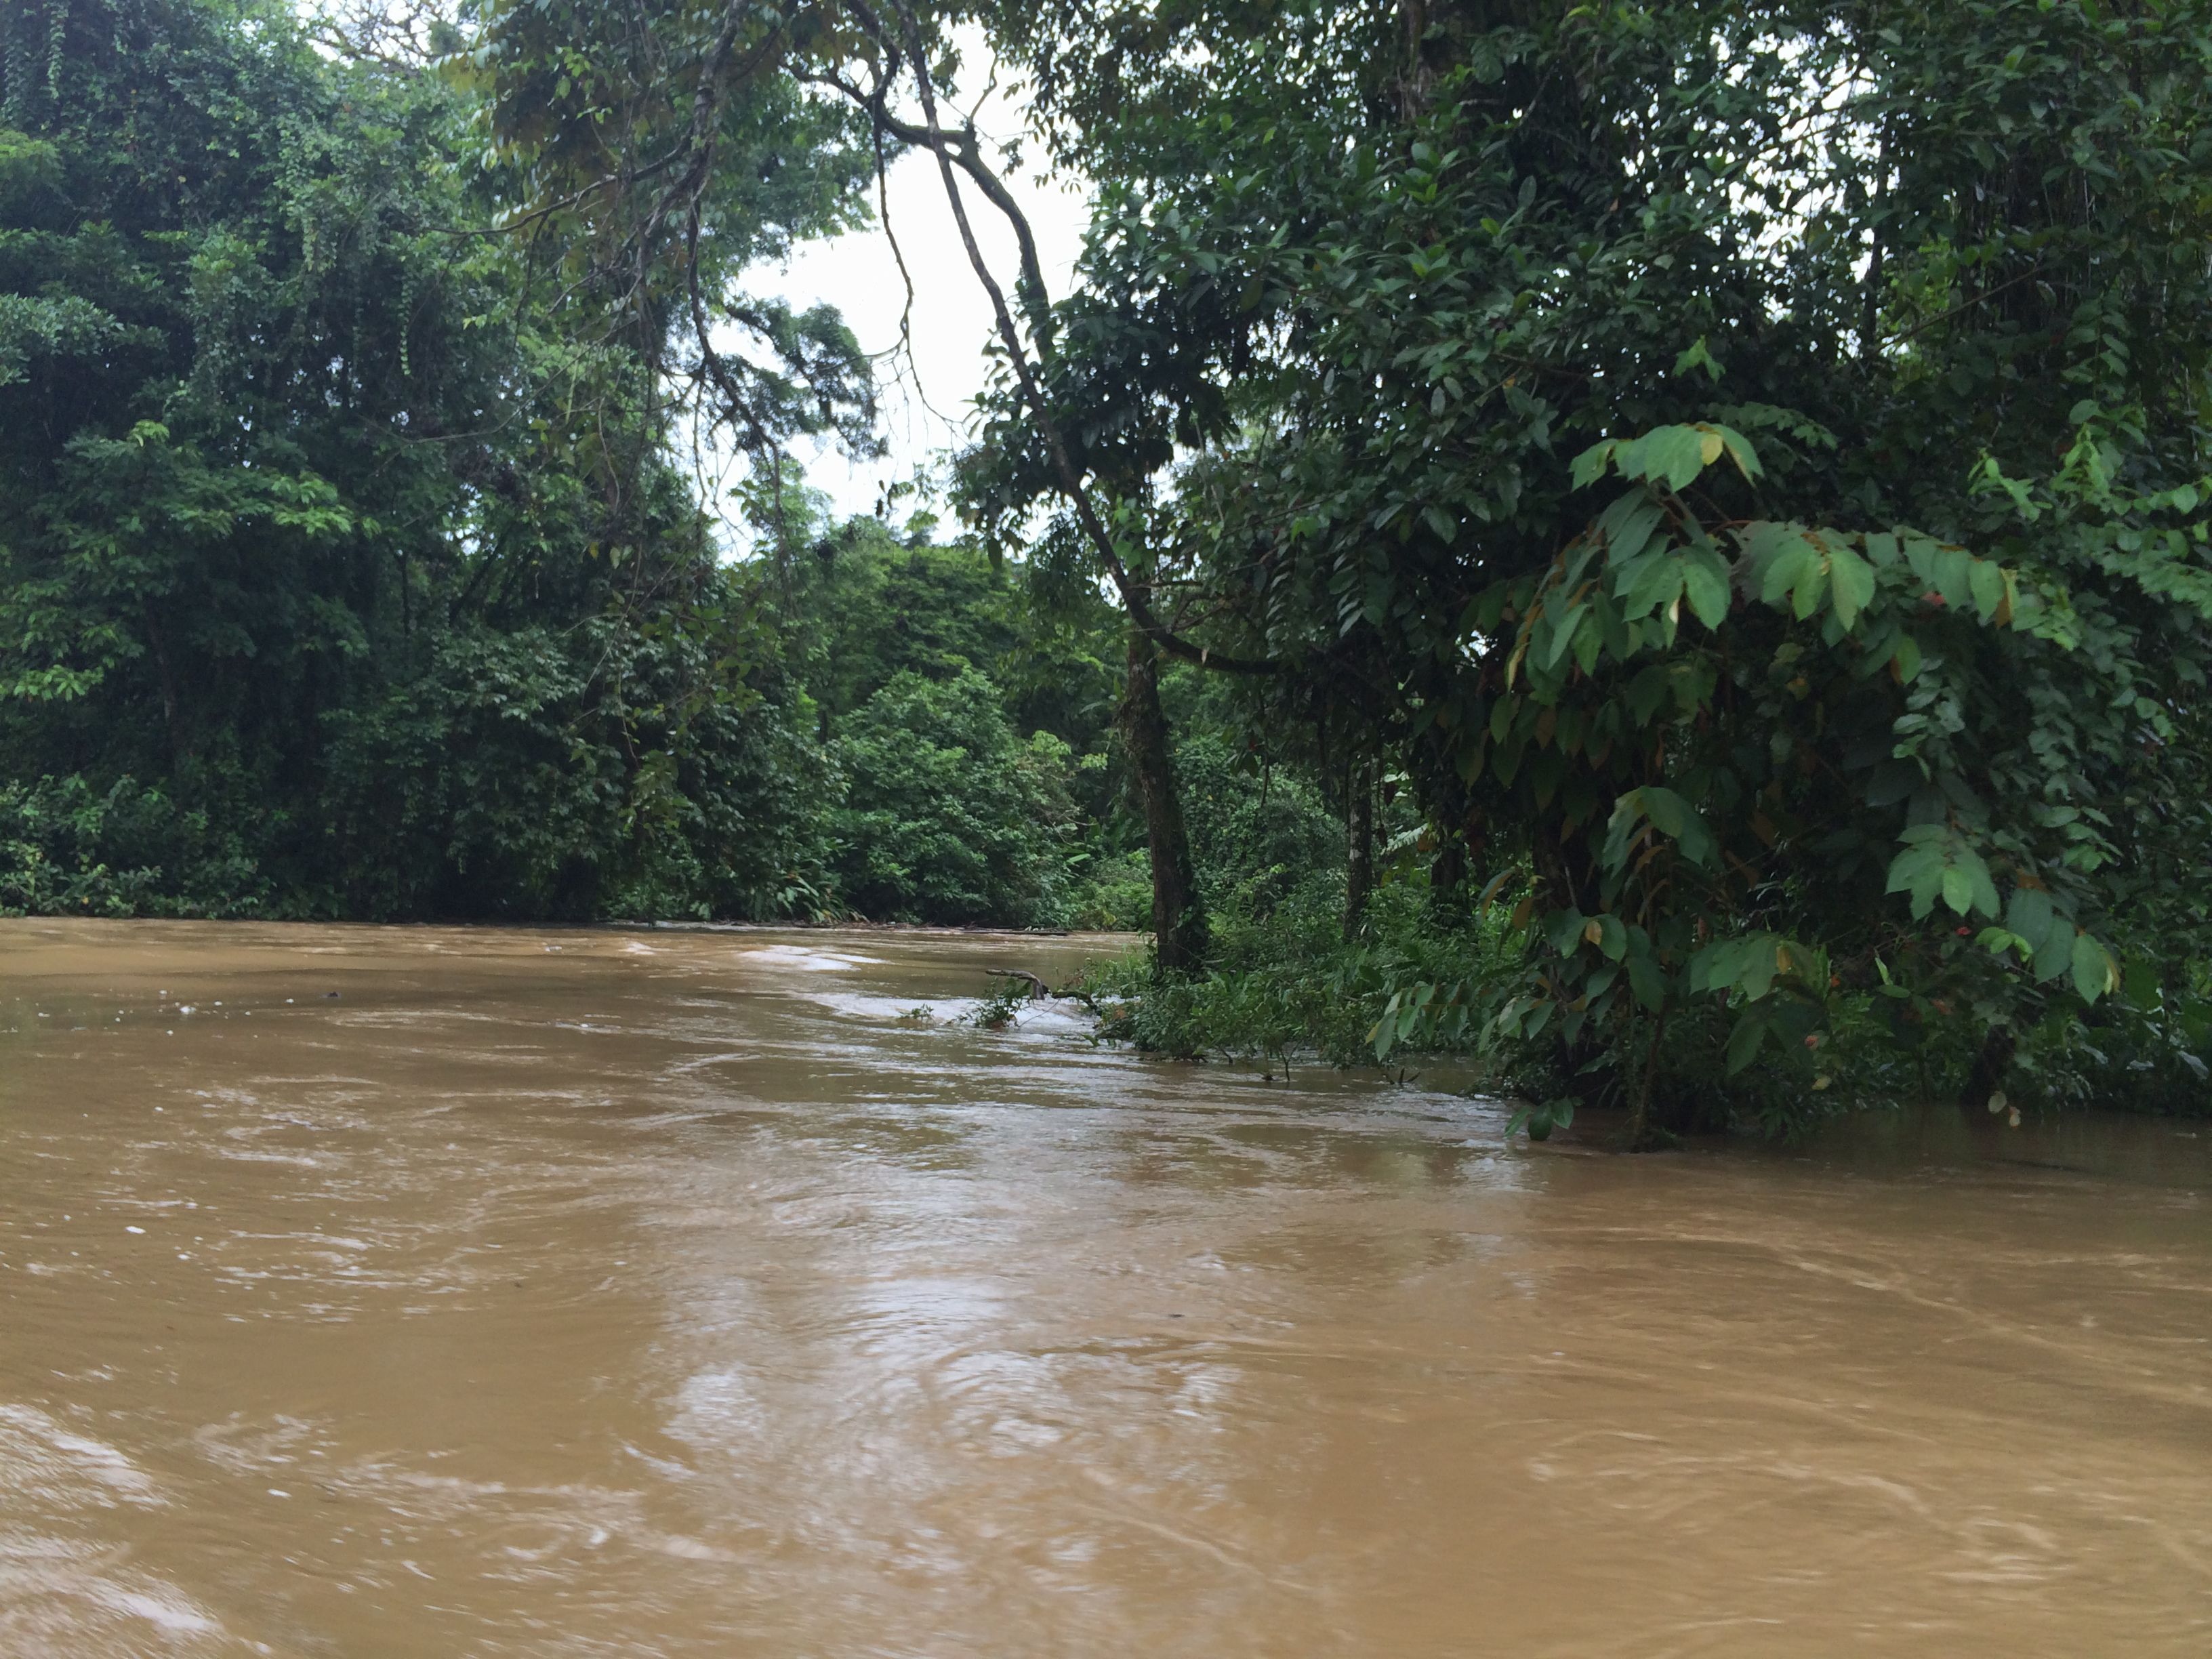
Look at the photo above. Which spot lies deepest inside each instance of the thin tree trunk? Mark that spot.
(1448, 881)
(167, 681)
(1178, 910)
(1359, 844)
(1640, 1135)
(1990, 1066)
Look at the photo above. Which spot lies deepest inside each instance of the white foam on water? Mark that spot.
(174, 1616)
(37, 1452)
(805, 958)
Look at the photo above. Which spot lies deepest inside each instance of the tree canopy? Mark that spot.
(1747, 461)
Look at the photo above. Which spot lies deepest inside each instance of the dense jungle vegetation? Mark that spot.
(1664, 544)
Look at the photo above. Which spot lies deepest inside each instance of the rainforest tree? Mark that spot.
(1746, 464)
(344, 562)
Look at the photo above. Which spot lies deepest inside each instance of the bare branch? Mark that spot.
(965, 153)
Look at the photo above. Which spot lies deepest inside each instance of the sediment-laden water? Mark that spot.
(443, 1292)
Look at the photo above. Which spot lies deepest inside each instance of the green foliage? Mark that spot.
(1112, 893)
(68, 850)
(1884, 670)
(1284, 986)
(531, 773)
(335, 538)
(1258, 834)
(1729, 477)
(856, 604)
(1002, 1007)
(948, 817)
(653, 158)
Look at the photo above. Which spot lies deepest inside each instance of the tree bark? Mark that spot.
(166, 677)
(1448, 881)
(1641, 1137)
(1990, 1066)
(1359, 844)
(1179, 930)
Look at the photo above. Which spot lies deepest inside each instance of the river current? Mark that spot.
(485, 1292)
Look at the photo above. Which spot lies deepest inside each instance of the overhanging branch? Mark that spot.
(964, 152)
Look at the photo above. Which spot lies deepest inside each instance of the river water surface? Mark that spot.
(430, 1292)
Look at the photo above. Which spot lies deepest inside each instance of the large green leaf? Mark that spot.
(1648, 982)
(1782, 562)
(1918, 870)
(1672, 455)
(1986, 581)
(2095, 971)
(1743, 1041)
(1705, 584)
(1651, 583)
(2054, 957)
(1674, 818)
(2030, 916)
(1627, 526)
(1563, 930)
(1851, 584)
(1954, 578)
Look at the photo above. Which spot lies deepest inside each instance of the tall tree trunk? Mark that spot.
(1359, 844)
(168, 680)
(1448, 880)
(1178, 909)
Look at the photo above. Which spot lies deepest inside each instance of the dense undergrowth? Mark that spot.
(1285, 989)
(1284, 986)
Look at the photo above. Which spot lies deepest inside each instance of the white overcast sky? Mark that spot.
(952, 317)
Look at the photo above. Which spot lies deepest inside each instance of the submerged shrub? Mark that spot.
(1283, 985)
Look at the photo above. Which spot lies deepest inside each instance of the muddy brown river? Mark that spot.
(442, 1292)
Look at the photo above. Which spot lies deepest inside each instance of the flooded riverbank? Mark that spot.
(422, 1291)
